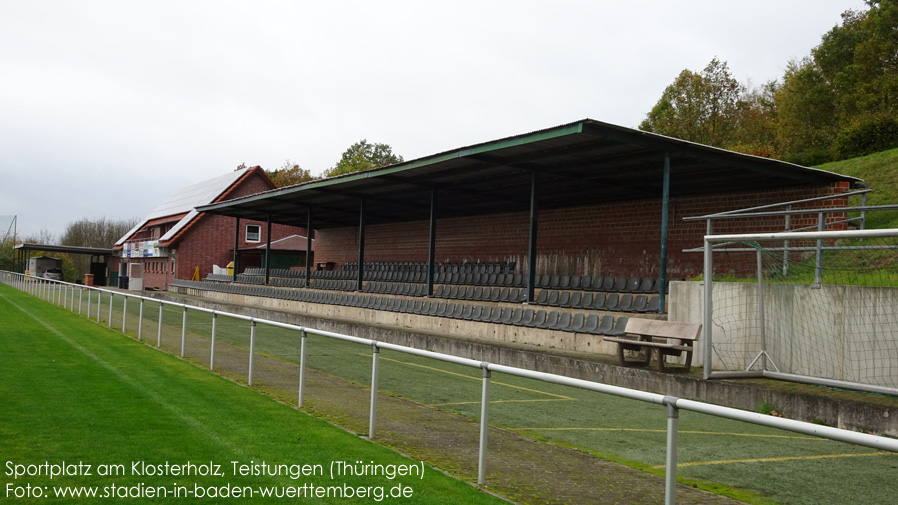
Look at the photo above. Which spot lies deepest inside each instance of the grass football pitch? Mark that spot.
(751, 463)
(80, 401)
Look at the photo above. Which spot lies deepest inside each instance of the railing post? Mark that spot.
(484, 424)
(109, 319)
(80, 296)
(670, 477)
(183, 331)
(818, 267)
(159, 328)
(89, 293)
(140, 321)
(372, 413)
(99, 305)
(863, 225)
(124, 313)
(212, 345)
(252, 348)
(302, 368)
(786, 243)
(708, 306)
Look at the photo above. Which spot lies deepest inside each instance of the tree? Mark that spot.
(364, 156)
(699, 107)
(91, 233)
(289, 174)
(848, 87)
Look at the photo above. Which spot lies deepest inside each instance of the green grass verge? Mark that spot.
(76, 392)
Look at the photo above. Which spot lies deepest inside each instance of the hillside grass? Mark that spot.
(880, 170)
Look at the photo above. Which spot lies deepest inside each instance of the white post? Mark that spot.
(183, 331)
(670, 477)
(762, 319)
(372, 413)
(99, 306)
(109, 320)
(252, 347)
(484, 425)
(89, 293)
(124, 313)
(708, 307)
(80, 296)
(212, 346)
(159, 327)
(140, 321)
(302, 368)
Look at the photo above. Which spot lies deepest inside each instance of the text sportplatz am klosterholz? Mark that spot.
(30, 479)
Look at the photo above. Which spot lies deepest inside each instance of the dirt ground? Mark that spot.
(519, 468)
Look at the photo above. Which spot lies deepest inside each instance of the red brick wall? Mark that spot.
(621, 238)
(210, 240)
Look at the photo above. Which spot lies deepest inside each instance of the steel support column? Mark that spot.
(236, 247)
(534, 217)
(361, 273)
(268, 250)
(308, 246)
(431, 246)
(665, 225)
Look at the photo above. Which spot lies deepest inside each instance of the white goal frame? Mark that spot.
(762, 356)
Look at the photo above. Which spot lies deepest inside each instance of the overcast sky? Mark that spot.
(107, 107)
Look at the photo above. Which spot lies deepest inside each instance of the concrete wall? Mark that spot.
(879, 419)
(847, 333)
(454, 328)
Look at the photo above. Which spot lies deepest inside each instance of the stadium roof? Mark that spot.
(70, 249)
(577, 164)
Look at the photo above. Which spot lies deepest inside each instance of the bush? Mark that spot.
(867, 137)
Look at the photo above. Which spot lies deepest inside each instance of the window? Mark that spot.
(253, 233)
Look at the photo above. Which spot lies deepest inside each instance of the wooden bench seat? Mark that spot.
(666, 338)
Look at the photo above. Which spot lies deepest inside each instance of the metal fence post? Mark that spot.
(670, 477)
(484, 424)
(302, 368)
(183, 331)
(372, 413)
(80, 296)
(818, 267)
(99, 306)
(140, 321)
(109, 320)
(124, 313)
(89, 293)
(212, 344)
(252, 348)
(159, 327)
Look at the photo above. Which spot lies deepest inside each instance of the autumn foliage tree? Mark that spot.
(700, 107)
(362, 156)
(290, 174)
(840, 101)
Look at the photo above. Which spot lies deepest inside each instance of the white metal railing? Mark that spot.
(48, 289)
